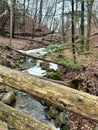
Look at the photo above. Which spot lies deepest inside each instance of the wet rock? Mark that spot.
(53, 112)
(8, 98)
(47, 116)
(60, 121)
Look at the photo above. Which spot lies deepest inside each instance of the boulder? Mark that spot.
(60, 121)
(8, 98)
(53, 112)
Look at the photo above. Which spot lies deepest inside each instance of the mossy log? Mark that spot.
(19, 120)
(60, 96)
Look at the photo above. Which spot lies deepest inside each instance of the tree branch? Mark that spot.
(3, 14)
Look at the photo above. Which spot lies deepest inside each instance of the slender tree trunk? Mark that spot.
(11, 22)
(73, 33)
(82, 25)
(89, 4)
(14, 17)
(40, 11)
(35, 18)
(24, 15)
(63, 20)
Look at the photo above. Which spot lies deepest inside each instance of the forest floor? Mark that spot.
(77, 122)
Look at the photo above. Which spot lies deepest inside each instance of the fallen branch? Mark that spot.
(35, 57)
(58, 95)
(19, 120)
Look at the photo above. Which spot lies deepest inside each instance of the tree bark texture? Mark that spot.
(58, 95)
(19, 120)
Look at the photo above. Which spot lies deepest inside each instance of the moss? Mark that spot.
(44, 65)
(8, 63)
(54, 75)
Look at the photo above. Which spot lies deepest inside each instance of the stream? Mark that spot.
(27, 103)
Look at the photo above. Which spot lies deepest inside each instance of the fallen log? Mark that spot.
(58, 95)
(35, 57)
(19, 120)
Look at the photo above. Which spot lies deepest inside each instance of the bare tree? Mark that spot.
(89, 4)
(63, 20)
(14, 17)
(24, 17)
(73, 33)
(11, 22)
(82, 25)
(40, 11)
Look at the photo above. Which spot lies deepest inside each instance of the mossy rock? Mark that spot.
(60, 120)
(8, 63)
(54, 75)
(66, 127)
(53, 112)
(44, 66)
(8, 98)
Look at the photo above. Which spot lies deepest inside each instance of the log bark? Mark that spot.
(19, 120)
(58, 95)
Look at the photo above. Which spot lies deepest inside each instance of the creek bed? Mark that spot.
(27, 103)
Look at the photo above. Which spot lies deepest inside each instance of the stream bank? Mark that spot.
(26, 103)
(75, 118)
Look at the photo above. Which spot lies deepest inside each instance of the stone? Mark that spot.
(66, 127)
(44, 65)
(8, 98)
(60, 120)
(53, 112)
(8, 89)
(2, 88)
(54, 75)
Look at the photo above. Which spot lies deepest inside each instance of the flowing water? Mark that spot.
(27, 103)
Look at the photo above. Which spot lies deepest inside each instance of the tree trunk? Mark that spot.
(82, 25)
(14, 18)
(63, 20)
(11, 22)
(19, 120)
(90, 4)
(73, 33)
(40, 11)
(24, 18)
(58, 95)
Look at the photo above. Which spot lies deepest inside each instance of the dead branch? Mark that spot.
(3, 14)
